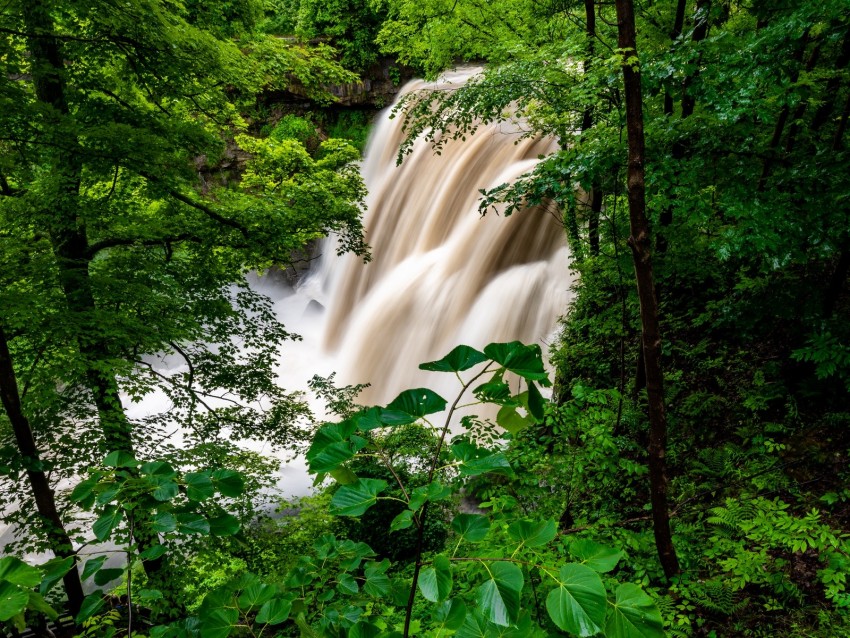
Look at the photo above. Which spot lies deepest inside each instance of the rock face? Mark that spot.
(377, 87)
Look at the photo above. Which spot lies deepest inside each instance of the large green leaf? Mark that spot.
(633, 615)
(449, 616)
(92, 565)
(598, 557)
(535, 402)
(13, 600)
(163, 523)
(104, 576)
(578, 604)
(120, 458)
(363, 629)
(92, 604)
(164, 488)
(158, 468)
(218, 623)
(435, 582)
(402, 521)
(224, 525)
(435, 491)
(497, 463)
(531, 533)
(54, 570)
(329, 458)
(274, 612)
(191, 523)
(199, 486)
(355, 499)
(472, 527)
(228, 482)
(522, 360)
(255, 595)
(330, 434)
(474, 626)
(460, 359)
(107, 522)
(498, 598)
(511, 420)
(17, 572)
(412, 405)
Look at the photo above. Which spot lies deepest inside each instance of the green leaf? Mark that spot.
(435, 582)
(13, 600)
(511, 420)
(578, 604)
(165, 489)
(633, 615)
(355, 499)
(193, 524)
(402, 521)
(199, 486)
(331, 446)
(368, 419)
(449, 615)
(120, 458)
(460, 359)
(497, 392)
(411, 405)
(92, 604)
(154, 551)
(436, 491)
(347, 584)
(228, 483)
(522, 360)
(104, 576)
(218, 623)
(17, 572)
(224, 525)
(498, 598)
(83, 493)
(363, 629)
(92, 565)
(163, 523)
(474, 626)
(54, 570)
(104, 525)
(38, 604)
(158, 468)
(274, 612)
(533, 534)
(497, 463)
(377, 583)
(255, 595)
(343, 475)
(472, 527)
(598, 557)
(535, 402)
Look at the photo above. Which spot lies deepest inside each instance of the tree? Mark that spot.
(119, 249)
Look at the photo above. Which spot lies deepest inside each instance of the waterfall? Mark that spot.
(441, 274)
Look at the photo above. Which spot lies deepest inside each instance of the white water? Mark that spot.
(441, 275)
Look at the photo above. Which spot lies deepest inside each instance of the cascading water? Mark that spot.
(441, 274)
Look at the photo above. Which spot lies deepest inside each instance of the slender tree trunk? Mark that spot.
(69, 241)
(639, 241)
(586, 124)
(45, 501)
(678, 24)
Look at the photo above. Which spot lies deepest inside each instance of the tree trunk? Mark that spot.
(586, 124)
(69, 241)
(45, 501)
(639, 241)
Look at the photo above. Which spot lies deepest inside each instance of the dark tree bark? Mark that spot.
(639, 241)
(586, 124)
(678, 24)
(45, 501)
(70, 245)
